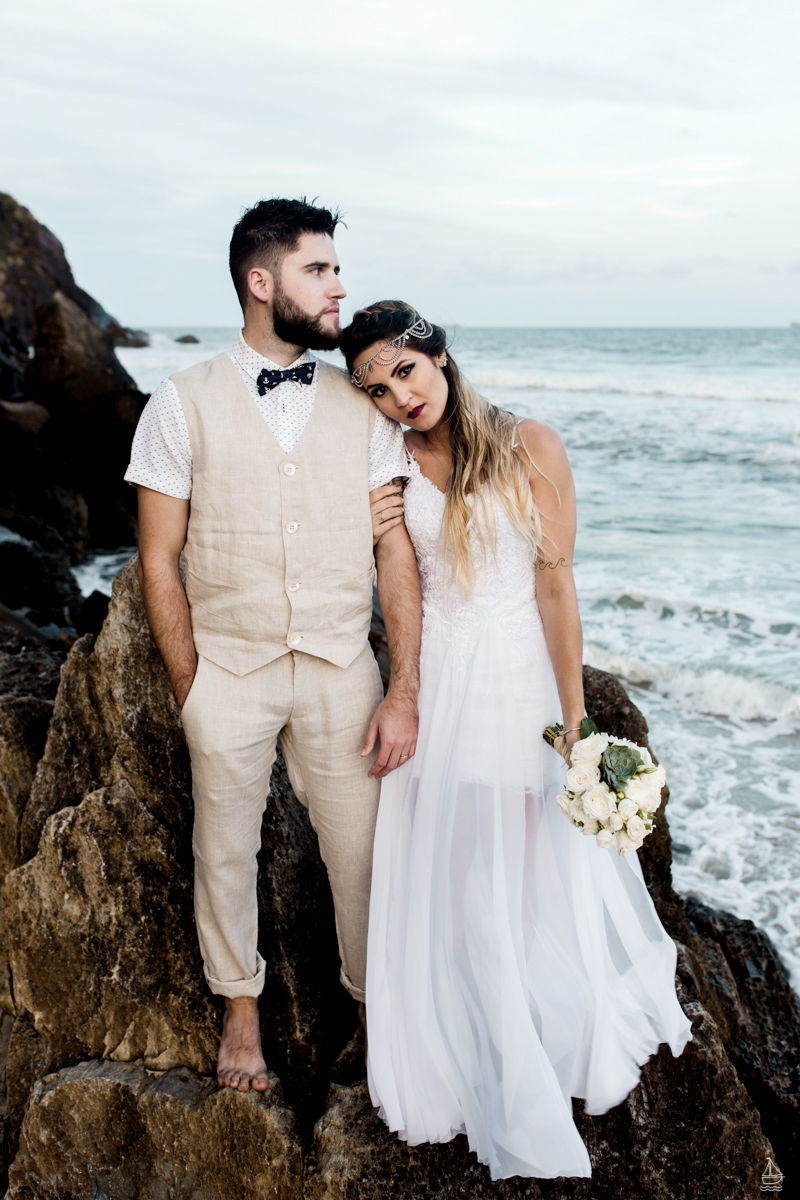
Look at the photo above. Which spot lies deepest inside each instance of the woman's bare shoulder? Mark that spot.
(543, 443)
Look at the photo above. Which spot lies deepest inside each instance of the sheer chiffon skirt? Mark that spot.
(511, 963)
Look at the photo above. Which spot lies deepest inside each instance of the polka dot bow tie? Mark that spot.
(268, 380)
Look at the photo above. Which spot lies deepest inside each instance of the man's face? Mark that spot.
(305, 308)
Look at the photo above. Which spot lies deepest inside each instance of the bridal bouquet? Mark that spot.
(613, 787)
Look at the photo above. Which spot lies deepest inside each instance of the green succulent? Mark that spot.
(620, 763)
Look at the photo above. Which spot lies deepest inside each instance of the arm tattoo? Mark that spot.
(562, 562)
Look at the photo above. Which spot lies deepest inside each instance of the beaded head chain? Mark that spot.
(391, 351)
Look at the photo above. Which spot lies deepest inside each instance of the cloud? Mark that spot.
(548, 140)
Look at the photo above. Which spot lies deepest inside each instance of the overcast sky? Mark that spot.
(509, 162)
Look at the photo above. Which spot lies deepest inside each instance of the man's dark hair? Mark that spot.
(268, 231)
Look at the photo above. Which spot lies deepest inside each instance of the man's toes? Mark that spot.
(261, 1081)
(244, 1082)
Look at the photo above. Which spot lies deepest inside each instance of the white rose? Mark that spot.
(590, 826)
(636, 831)
(598, 802)
(576, 812)
(615, 821)
(581, 776)
(589, 750)
(627, 808)
(623, 843)
(657, 778)
(649, 788)
(639, 791)
(604, 838)
(562, 800)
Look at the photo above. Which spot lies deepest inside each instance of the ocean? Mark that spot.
(685, 444)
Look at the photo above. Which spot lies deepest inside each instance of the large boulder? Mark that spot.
(29, 676)
(68, 409)
(32, 267)
(38, 584)
(110, 1130)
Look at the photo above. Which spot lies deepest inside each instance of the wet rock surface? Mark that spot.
(120, 1131)
(68, 411)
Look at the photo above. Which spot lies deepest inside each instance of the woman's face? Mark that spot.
(412, 390)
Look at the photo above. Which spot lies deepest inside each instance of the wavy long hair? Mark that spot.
(481, 438)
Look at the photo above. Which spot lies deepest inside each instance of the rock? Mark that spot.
(100, 1129)
(688, 1128)
(106, 905)
(131, 339)
(69, 412)
(747, 988)
(28, 682)
(26, 413)
(33, 267)
(38, 584)
(188, 339)
(37, 499)
(93, 613)
(94, 406)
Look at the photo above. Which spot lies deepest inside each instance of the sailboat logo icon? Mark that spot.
(772, 1179)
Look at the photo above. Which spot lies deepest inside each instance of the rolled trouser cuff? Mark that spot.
(356, 992)
(239, 987)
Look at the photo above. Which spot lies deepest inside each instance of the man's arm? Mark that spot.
(163, 522)
(396, 720)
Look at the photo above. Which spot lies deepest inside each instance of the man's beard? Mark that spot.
(296, 327)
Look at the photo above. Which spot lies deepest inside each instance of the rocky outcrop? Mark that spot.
(68, 409)
(33, 267)
(114, 1033)
(119, 1130)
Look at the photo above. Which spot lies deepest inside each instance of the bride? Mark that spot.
(512, 964)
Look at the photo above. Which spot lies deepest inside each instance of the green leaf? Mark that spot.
(588, 727)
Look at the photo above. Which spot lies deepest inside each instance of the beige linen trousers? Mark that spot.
(320, 714)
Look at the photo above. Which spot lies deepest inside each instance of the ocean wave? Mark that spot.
(713, 690)
(517, 381)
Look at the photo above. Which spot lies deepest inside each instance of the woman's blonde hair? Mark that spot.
(481, 441)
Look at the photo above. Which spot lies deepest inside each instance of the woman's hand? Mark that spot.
(386, 506)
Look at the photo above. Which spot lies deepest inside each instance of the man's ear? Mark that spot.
(260, 284)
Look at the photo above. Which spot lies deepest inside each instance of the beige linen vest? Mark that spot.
(279, 548)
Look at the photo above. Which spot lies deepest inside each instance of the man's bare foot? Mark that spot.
(362, 1016)
(240, 1063)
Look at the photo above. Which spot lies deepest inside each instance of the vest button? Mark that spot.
(294, 586)
(291, 526)
(289, 468)
(295, 639)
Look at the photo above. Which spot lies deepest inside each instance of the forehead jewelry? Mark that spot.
(391, 351)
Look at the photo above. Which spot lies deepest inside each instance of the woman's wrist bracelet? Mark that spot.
(575, 728)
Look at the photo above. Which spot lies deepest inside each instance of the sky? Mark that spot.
(519, 162)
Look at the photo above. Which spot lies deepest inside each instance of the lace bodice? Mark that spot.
(505, 580)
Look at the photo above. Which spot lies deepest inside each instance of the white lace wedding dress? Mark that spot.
(512, 964)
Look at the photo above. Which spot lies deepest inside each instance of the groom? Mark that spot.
(258, 465)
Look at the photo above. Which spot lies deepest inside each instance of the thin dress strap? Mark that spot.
(514, 442)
